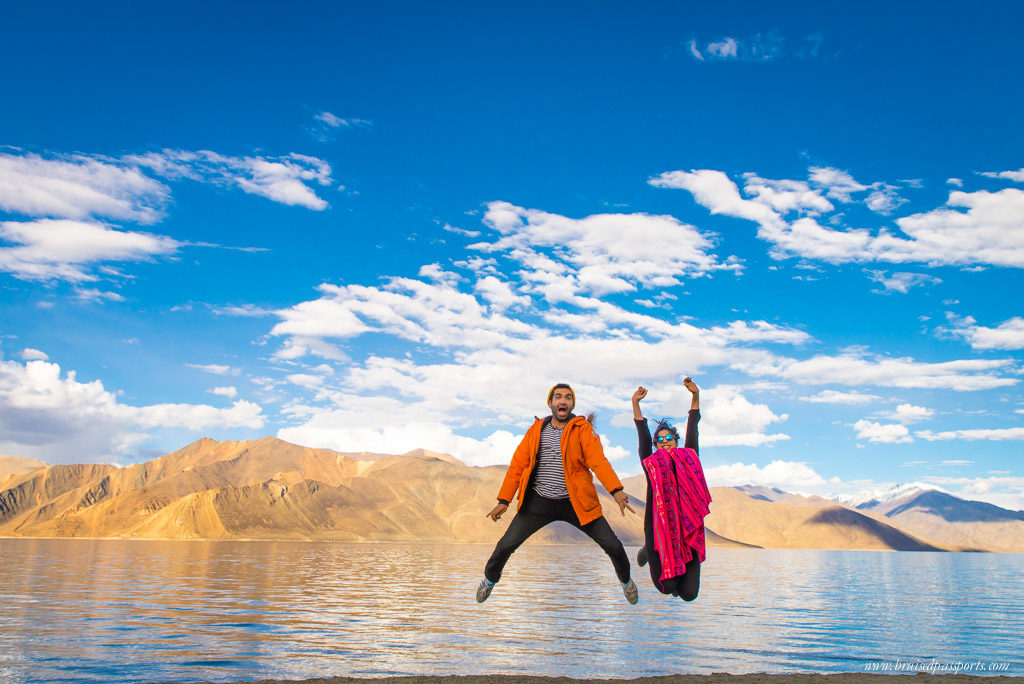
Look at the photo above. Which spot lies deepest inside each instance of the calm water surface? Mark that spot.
(76, 610)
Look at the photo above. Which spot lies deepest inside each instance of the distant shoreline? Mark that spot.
(491, 543)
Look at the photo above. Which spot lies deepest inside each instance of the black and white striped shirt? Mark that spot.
(549, 475)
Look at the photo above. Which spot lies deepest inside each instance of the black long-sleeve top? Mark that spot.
(644, 450)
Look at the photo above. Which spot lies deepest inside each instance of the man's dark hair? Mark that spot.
(559, 386)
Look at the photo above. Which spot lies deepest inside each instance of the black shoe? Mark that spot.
(641, 556)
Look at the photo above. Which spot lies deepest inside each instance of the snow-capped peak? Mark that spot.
(881, 495)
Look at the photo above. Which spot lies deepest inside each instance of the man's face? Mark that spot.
(561, 403)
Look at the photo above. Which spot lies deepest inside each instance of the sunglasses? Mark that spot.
(665, 438)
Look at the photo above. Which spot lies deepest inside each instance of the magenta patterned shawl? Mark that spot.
(681, 500)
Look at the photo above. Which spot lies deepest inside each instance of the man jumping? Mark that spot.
(550, 470)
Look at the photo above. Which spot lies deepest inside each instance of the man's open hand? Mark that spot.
(622, 499)
(498, 511)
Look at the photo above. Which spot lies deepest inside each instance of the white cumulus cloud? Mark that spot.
(601, 253)
(1007, 335)
(790, 476)
(47, 414)
(732, 419)
(909, 413)
(893, 433)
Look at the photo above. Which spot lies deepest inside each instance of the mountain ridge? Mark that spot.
(272, 489)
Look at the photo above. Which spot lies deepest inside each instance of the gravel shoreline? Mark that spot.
(715, 678)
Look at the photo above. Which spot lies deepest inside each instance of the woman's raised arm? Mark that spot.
(643, 433)
(694, 416)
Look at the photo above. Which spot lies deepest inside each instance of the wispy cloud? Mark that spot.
(63, 249)
(215, 368)
(326, 124)
(95, 295)
(1017, 176)
(66, 196)
(79, 187)
(991, 434)
(857, 369)
(768, 46)
(973, 228)
(334, 121)
(461, 231)
(901, 281)
(243, 311)
(694, 50)
(836, 397)
(724, 49)
(281, 179)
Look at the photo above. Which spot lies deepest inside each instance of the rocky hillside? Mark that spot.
(11, 466)
(271, 489)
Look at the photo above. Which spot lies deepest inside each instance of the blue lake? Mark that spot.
(78, 610)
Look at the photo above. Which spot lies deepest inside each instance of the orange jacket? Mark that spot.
(581, 453)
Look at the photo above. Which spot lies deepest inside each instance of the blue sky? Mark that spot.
(389, 227)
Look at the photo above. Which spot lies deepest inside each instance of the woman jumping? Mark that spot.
(677, 501)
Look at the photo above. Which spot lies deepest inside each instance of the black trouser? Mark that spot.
(538, 512)
(685, 586)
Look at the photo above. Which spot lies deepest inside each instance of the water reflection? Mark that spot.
(188, 611)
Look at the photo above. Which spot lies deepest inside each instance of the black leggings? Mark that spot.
(685, 586)
(538, 512)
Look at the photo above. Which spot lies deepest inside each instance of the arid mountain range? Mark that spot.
(270, 489)
(11, 466)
